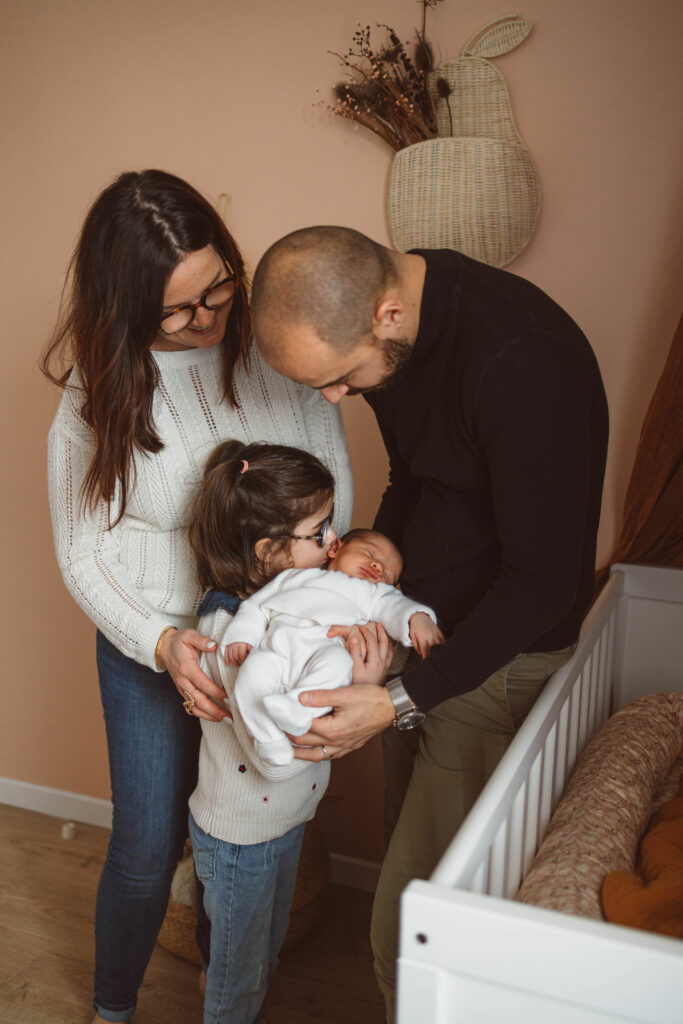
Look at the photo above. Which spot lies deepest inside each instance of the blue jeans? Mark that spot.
(248, 894)
(153, 757)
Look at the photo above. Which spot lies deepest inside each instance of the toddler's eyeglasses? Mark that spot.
(319, 536)
(218, 295)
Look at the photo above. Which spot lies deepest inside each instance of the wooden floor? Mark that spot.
(47, 896)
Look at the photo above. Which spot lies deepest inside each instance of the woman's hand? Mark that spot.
(179, 653)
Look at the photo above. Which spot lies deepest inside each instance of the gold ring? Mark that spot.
(328, 757)
(189, 703)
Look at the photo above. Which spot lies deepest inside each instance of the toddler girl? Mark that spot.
(261, 509)
(247, 816)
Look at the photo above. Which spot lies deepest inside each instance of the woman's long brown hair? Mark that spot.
(135, 234)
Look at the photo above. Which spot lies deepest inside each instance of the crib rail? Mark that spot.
(469, 953)
(504, 829)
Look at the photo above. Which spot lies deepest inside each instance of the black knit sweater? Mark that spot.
(497, 435)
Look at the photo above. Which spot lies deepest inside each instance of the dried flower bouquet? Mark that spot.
(386, 88)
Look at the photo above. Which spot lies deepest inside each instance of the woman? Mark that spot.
(156, 329)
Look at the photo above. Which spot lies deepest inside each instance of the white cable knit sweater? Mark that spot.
(139, 577)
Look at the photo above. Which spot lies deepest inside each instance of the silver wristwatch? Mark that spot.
(408, 715)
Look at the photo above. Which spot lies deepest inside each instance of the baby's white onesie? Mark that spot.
(286, 623)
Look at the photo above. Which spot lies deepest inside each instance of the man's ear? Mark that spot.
(333, 550)
(389, 318)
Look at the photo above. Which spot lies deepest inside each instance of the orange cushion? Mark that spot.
(651, 898)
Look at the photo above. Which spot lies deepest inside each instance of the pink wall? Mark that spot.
(222, 93)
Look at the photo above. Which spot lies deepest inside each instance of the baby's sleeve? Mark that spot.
(394, 611)
(250, 622)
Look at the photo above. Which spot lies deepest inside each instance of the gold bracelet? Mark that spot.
(158, 646)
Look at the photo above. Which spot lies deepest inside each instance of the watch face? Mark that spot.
(411, 720)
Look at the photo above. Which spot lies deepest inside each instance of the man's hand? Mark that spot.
(179, 653)
(358, 713)
(424, 633)
(371, 651)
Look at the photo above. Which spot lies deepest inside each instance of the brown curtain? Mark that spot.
(652, 529)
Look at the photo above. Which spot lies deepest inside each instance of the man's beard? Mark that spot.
(396, 353)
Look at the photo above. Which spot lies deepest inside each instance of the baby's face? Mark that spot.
(372, 556)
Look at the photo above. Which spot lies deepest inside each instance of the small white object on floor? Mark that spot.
(68, 830)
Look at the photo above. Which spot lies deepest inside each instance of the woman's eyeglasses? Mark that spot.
(217, 295)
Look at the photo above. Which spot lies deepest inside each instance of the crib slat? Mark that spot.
(603, 681)
(573, 730)
(609, 665)
(584, 698)
(498, 859)
(534, 800)
(561, 756)
(548, 771)
(480, 877)
(517, 818)
(594, 687)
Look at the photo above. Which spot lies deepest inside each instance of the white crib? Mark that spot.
(470, 953)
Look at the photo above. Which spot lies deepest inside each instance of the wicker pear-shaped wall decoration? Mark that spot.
(475, 188)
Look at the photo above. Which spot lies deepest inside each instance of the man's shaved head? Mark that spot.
(327, 278)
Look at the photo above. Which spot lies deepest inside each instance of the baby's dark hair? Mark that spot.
(358, 531)
(234, 508)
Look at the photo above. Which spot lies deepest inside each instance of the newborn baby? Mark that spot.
(283, 629)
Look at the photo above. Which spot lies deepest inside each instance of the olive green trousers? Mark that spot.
(434, 774)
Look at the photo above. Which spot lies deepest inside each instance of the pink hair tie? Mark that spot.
(245, 466)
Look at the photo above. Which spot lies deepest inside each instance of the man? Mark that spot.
(493, 413)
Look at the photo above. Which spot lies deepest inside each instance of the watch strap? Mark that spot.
(403, 704)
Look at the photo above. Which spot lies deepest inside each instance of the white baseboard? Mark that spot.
(57, 802)
(349, 871)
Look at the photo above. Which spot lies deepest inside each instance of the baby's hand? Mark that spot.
(235, 653)
(424, 633)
